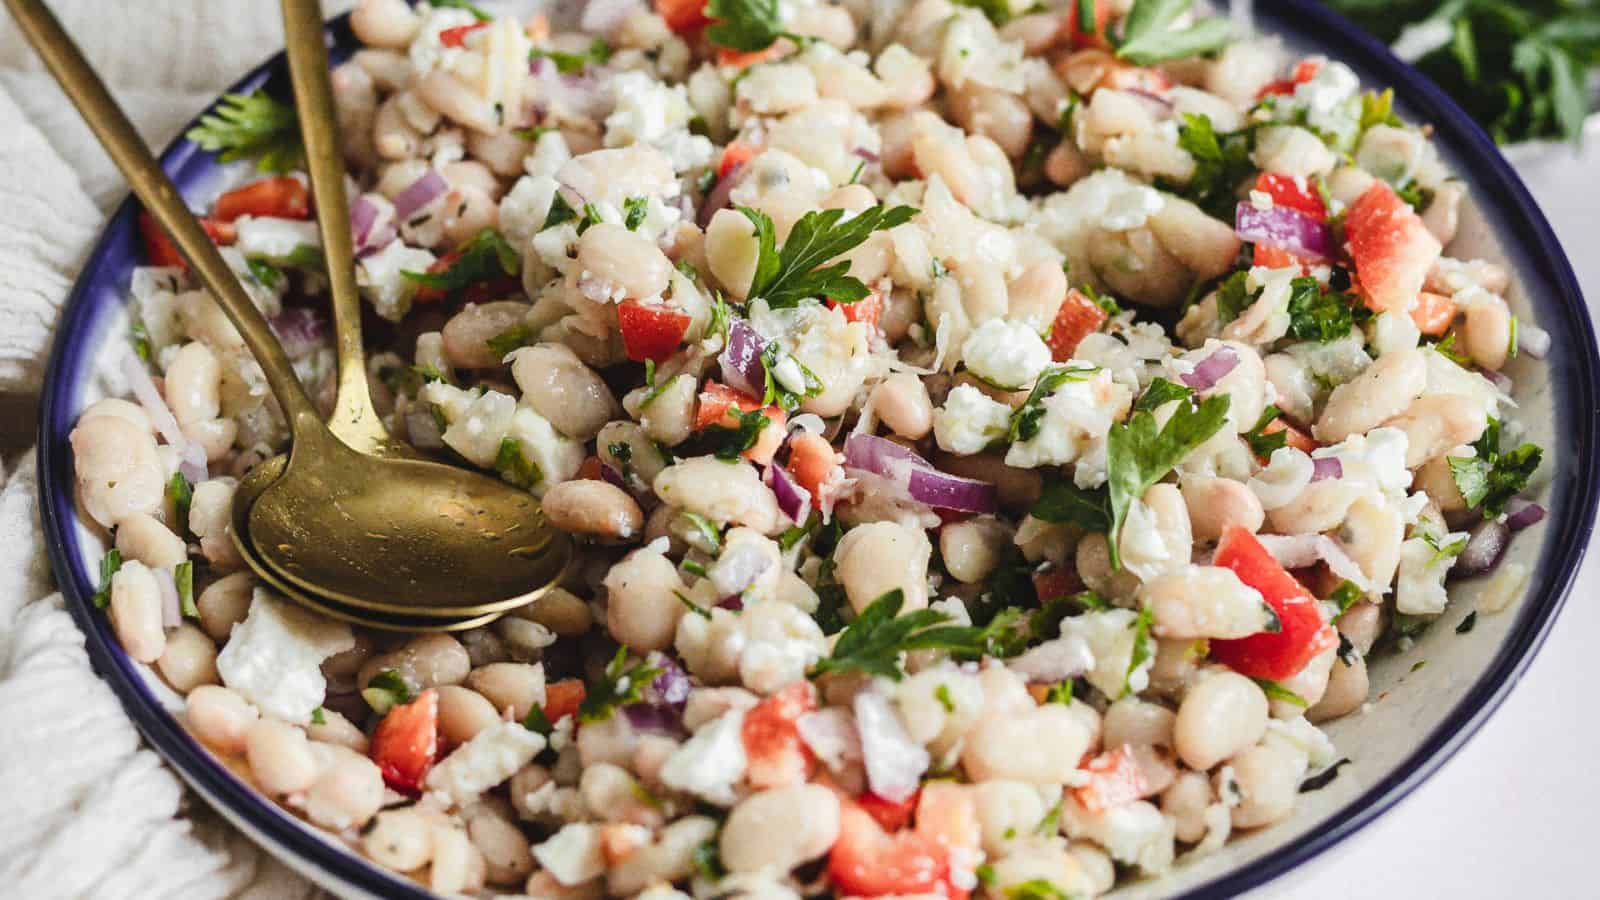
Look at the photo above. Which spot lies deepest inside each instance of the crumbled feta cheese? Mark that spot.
(378, 276)
(776, 88)
(711, 762)
(1110, 636)
(427, 51)
(476, 432)
(969, 421)
(1135, 834)
(573, 855)
(1419, 587)
(1377, 458)
(523, 209)
(1306, 738)
(1077, 417)
(272, 238)
(548, 155)
(274, 657)
(493, 755)
(1329, 98)
(781, 642)
(1008, 355)
(646, 109)
(557, 456)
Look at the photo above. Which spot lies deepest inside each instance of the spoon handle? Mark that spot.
(354, 420)
(128, 151)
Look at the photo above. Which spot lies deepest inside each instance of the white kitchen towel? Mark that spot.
(85, 809)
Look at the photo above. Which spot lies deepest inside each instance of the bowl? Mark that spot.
(1417, 719)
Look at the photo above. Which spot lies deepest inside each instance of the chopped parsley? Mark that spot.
(727, 443)
(1025, 420)
(1036, 889)
(1468, 623)
(180, 494)
(385, 691)
(1160, 393)
(109, 564)
(574, 63)
(634, 209)
(942, 694)
(1263, 442)
(485, 257)
(139, 337)
(688, 604)
(622, 684)
(1442, 552)
(537, 722)
(1142, 649)
(746, 25)
(1221, 162)
(1315, 316)
(1346, 595)
(786, 277)
(996, 11)
(513, 338)
(1060, 692)
(1322, 779)
(1149, 35)
(266, 274)
(875, 639)
(706, 530)
(1233, 297)
(1138, 455)
(183, 579)
(1493, 477)
(707, 861)
(317, 717)
(514, 467)
(1063, 502)
(252, 125)
(560, 211)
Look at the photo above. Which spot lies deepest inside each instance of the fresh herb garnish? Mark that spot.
(1060, 692)
(1025, 420)
(1322, 779)
(1138, 455)
(513, 338)
(1315, 316)
(317, 717)
(1492, 478)
(942, 694)
(634, 210)
(727, 443)
(622, 684)
(996, 11)
(707, 861)
(873, 641)
(560, 211)
(514, 467)
(706, 530)
(798, 271)
(1160, 393)
(1346, 595)
(1142, 649)
(574, 63)
(1221, 162)
(1233, 297)
(746, 25)
(487, 256)
(266, 274)
(1062, 501)
(109, 564)
(1148, 35)
(1036, 889)
(180, 494)
(690, 605)
(252, 125)
(1262, 442)
(183, 580)
(1468, 623)
(385, 691)
(139, 337)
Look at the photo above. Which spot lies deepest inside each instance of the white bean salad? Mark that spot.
(913, 561)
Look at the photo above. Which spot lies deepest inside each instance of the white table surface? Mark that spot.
(1513, 814)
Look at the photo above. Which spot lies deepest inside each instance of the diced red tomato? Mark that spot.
(1298, 195)
(221, 233)
(650, 330)
(777, 756)
(1135, 78)
(867, 861)
(683, 15)
(1277, 258)
(1056, 582)
(1114, 779)
(561, 698)
(1392, 249)
(1296, 438)
(406, 742)
(891, 815)
(1085, 34)
(811, 461)
(282, 197)
(740, 60)
(1304, 71)
(159, 250)
(716, 402)
(1303, 634)
(736, 154)
(457, 36)
(1434, 313)
(947, 814)
(1077, 318)
(868, 309)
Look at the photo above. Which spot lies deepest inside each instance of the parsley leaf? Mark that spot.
(1025, 420)
(1138, 455)
(139, 336)
(996, 11)
(746, 25)
(727, 443)
(1221, 162)
(1148, 36)
(514, 467)
(574, 63)
(513, 338)
(1468, 623)
(1036, 889)
(634, 209)
(1276, 691)
(1160, 393)
(265, 273)
(1233, 297)
(622, 684)
(485, 257)
(1060, 692)
(710, 536)
(317, 717)
(180, 493)
(1315, 316)
(798, 271)
(1143, 650)
(109, 564)
(252, 125)
(183, 579)
(1062, 501)
(873, 641)
(560, 211)
(1491, 478)
(1346, 595)
(1262, 442)
(385, 691)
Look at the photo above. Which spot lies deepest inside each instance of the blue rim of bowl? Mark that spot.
(1552, 582)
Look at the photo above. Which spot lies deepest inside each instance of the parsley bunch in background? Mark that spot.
(1519, 67)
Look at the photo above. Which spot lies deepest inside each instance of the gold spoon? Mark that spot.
(338, 523)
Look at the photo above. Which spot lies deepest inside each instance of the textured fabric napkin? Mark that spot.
(85, 809)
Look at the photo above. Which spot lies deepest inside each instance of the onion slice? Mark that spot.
(720, 196)
(1520, 515)
(428, 187)
(1212, 369)
(299, 330)
(171, 606)
(794, 500)
(1281, 226)
(741, 364)
(1325, 467)
(923, 482)
(191, 457)
(1485, 548)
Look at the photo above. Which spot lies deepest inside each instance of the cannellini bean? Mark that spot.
(423, 662)
(1318, 507)
(442, 90)
(669, 418)
(1435, 424)
(467, 212)
(901, 401)
(1216, 503)
(389, 24)
(1371, 534)
(142, 537)
(669, 859)
(1362, 624)
(780, 829)
(972, 548)
(1175, 667)
(1222, 713)
(1006, 811)
(393, 137)
(193, 384)
(336, 729)
(215, 436)
(1000, 116)
(596, 508)
(1380, 393)
(1035, 295)
(189, 659)
(615, 263)
(211, 520)
(347, 792)
(1185, 802)
(120, 409)
(559, 610)
(634, 455)
(136, 612)
(1309, 684)
(516, 687)
(225, 603)
(1443, 215)
(466, 336)
(458, 867)
(562, 389)
(1140, 722)
(1065, 164)
(355, 101)
(1093, 560)
(280, 757)
(400, 840)
(642, 610)
(463, 713)
(1347, 690)
(1162, 507)
(1268, 776)
(722, 492)
(1435, 479)
(503, 845)
(118, 470)
(879, 557)
(732, 251)
(1041, 745)
(219, 717)
(1205, 245)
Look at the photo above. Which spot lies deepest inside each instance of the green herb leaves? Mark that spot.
(798, 271)
(746, 25)
(385, 691)
(1148, 35)
(109, 564)
(252, 125)
(623, 684)
(1491, 478)
(485, 257)
(1221, 162)
(1315, 316)
(1262, 442)
(1025, 420)
(574, 63)
(874, 640)
(1138, 455)
(1276, 691)
(1061, 501)
(514, 467)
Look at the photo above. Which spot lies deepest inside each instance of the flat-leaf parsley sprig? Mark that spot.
(784, 278)
(252, 125)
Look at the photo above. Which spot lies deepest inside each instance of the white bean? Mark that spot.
(504, 848)
(780, 828)
(591, 507)
(136, 612)
(879, 557)
(1371, 535)
(615, 263)
(559, 610)
(336, 729)
(722, 492)
(972, 548)
(466, 336)
(118, 470)
(1221, 714)
(901, 401)
(120, 409)
(280, 757)
(225, 603)
(561, 388)
(219, 717)
(399, 839)
(1268, 776)
(347, 792)
(1435, 424)
(1375, 396)
(389, 24)
(442, 90)
(1216, 503)
(189, 659)
(1347, 690)
(1204, 602)
(1362, 624)
(516, 687)
(1134, 721)
(424, 662)
(192, 384)
(211, 520)
(142, 537)
(1185, 802)
(642, 609)
(463, 713)
(1041, 745)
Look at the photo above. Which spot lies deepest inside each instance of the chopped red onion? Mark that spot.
(924, 483)
(363, 215)
(1056, 660)
(1520, 514)
(1324, 467)
(1533, 340)
(429, 187)
(720, 196)
(1281, 226)
(299, 330)
(1162, 104)
(671, 687)
(742, 368)
(732, 603)
(831, 734)
(171, 607)
(1212, 369)
(894, 762)
(191, 456)
(1485, 548)
(665, 720)
(794, 500)
(867, 155)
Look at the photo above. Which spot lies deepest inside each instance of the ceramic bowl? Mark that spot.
(1416, 720)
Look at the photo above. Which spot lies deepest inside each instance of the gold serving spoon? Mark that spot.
(338, 523)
